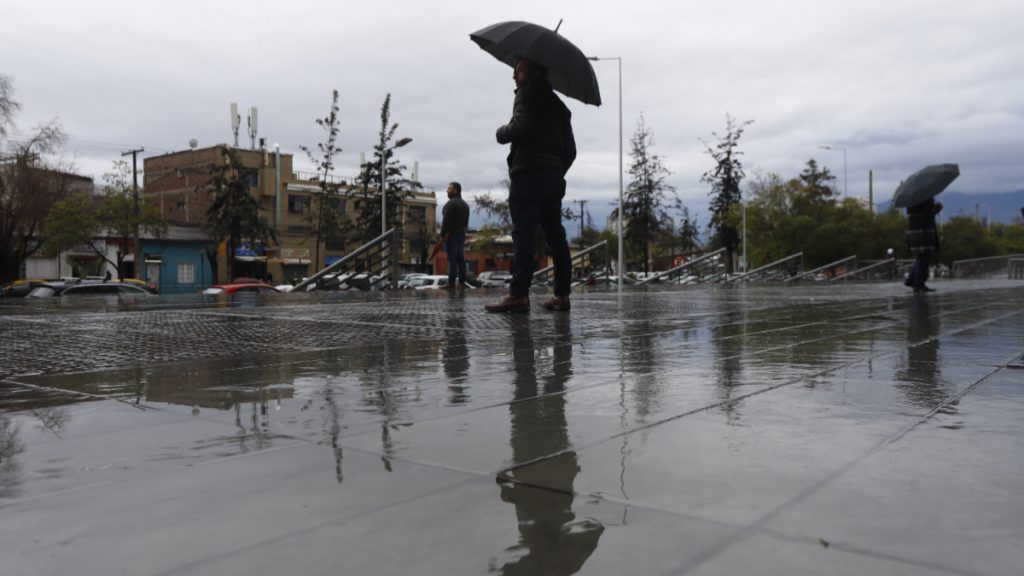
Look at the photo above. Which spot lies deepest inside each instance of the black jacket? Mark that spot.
(921, 231)
(455, 217)
(540, 131)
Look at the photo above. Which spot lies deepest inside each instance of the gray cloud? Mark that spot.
(898, 84)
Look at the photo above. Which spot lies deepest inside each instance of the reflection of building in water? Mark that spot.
(218, 386)
(552, 540)
(920, 378)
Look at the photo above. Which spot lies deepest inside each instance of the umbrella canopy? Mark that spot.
(924, 184)
(569, 71)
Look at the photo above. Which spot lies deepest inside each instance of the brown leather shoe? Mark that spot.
(556, 303)
(510, 304)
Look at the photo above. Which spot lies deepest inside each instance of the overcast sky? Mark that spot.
(899, 84)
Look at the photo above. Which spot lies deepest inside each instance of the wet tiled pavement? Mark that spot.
(709, 430)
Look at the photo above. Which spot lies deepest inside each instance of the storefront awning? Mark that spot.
(251, 258)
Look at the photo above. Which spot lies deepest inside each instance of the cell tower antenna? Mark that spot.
(236, 120)
(253, 129)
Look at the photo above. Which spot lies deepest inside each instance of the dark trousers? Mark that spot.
(455, 249)
(919, 273)
(535, 199)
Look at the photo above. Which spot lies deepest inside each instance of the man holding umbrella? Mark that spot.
(922, 239)
(917, 194)
(542, 150)
(542, 146)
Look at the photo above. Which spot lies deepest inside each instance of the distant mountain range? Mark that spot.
(1003, 207)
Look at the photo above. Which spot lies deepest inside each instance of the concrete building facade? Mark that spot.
(180, 184)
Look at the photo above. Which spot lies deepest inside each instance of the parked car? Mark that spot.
(403, 282)
(89, 288)
(426, 282)
(495, 279)
(20, 288)
(242, 287)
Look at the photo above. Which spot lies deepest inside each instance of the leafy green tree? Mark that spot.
(234, 214)
(496, 210)
(85, 220)
(644, 202)
(126, 213)
(30, 185)
(324, 216)
(963, 237)
(396, 185)
(725, 179)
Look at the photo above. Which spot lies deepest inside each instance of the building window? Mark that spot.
(334, 243)
(186, 273)
(298, 204)
(337, 205)
(417, 214)
(251, 178)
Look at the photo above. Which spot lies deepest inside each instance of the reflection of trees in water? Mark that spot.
(10, 446)
(920, 378)
(53, 419)
(728, 343)
(455, 359)
(552, 540)
(641, 357)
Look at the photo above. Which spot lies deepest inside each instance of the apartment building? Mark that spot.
(179, 183)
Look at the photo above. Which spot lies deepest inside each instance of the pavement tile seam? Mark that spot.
(616, 380)
(759, 525)
(852, 549)
(899, 434)
(188, 567)
(29, 500)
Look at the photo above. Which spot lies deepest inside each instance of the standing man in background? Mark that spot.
(454, 222)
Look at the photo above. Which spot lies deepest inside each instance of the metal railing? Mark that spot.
(372, 265)
(1016, 269)
(703, 268)
(850, 262)
(788, 266)
(541, 275)
(990, 267)
(877, 269)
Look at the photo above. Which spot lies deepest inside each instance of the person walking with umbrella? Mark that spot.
(922, 239)
(917, 194)
(542, 147)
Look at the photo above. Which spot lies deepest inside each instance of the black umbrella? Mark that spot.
(924, 184)
(569, 71)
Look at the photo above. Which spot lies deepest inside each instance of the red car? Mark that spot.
(239, 287)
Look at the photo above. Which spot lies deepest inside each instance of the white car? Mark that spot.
(428, 282)
(494, 279)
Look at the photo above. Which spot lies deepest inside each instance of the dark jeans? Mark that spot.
(919, 273)
(535, 199)
(455, 248)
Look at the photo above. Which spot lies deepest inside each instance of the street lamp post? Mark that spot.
(383, 202)
(621, 266)
(846, 191)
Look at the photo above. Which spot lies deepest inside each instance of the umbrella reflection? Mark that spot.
(551, 538)
(920, 379)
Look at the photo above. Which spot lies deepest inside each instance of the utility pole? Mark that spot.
(137, 243)
(583, 216)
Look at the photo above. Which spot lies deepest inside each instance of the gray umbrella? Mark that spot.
(569, 70)
(924, 184)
